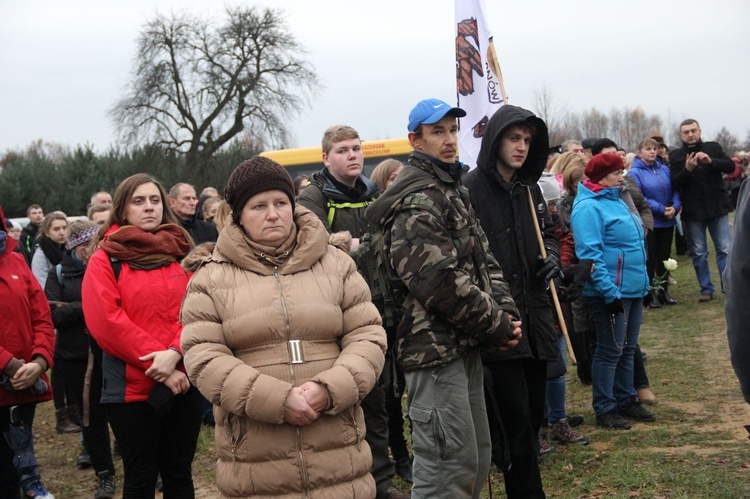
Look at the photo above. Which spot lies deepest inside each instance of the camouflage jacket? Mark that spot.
(455, 294)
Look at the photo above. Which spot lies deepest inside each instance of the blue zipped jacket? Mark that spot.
(608, 233)
(655, 183)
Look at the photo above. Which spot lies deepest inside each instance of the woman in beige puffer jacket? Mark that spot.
(266, 327)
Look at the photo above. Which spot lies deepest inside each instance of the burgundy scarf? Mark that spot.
(147, 250)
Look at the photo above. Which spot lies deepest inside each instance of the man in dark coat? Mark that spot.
(510, 163)
(28, 234)
(697, 169)
(182, 201)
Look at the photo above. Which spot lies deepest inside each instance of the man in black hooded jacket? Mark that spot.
(510, 163)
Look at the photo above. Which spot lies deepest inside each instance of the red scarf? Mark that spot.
(147, 250)
(592, 186)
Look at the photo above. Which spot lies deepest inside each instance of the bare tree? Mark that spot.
(594, 123)
(728, 141)
(196, 84)
(548, 109)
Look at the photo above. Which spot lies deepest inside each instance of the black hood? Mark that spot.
(503, 118)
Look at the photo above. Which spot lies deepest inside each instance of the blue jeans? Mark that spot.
(18, 465)
(612, 367)
(451, 434)
(556, 390)
(718, 227)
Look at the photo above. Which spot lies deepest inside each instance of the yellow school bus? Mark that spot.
(309, 159)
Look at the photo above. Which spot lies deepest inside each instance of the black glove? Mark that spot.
(161, 399)
(549, 267)
(582, 272)
(615, 307)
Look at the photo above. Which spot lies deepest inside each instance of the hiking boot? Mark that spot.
(107, 486)
(637, 412)
(403, 469)
(612, 421)
(64, 424)
(706, 297)
(545, 448)
(37, 490)
(562, 433)
(646, 396)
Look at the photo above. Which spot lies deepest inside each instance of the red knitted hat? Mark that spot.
(602, 165)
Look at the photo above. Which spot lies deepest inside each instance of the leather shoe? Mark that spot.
(665, 298)
(706, 297)
(646, 396)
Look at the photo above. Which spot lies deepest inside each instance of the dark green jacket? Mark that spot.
(336, 210)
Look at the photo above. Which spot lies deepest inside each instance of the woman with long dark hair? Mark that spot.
(132, 293)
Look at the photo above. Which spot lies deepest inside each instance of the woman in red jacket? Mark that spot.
(27, 343)
(132, 292)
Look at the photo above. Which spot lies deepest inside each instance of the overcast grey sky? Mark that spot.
(64, 63)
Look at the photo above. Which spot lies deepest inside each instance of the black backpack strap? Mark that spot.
(116, 267)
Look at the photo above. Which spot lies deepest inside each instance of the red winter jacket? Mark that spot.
(130, 317)
(26, 328)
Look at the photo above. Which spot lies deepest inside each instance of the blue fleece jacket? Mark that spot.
(608, 233)
(655, 183)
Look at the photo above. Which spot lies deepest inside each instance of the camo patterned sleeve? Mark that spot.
(431, 251)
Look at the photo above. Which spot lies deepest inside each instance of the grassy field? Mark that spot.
(696, 448)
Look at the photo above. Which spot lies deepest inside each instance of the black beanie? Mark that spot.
(257, 174)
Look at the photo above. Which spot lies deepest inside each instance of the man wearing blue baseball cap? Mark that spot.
(454, 299)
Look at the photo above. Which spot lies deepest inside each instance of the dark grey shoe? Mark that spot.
(612, 421)
(107, 487)
(636, 412)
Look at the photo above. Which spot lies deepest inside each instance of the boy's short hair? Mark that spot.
(337, 133)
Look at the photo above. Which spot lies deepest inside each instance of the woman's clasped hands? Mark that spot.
(304, 403)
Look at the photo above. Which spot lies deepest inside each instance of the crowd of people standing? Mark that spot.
(295, 315)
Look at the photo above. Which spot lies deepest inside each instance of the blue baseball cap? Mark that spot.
(430, 111)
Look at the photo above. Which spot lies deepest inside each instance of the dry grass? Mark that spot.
(696, 448)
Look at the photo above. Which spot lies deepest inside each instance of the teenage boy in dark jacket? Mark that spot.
(510, 163)
(338, 195)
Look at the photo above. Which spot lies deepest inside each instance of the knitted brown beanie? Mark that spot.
(255, 175)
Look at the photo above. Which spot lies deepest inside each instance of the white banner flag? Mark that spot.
(478, 80)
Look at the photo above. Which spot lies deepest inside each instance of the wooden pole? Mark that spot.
(496, 66)
(552, 287)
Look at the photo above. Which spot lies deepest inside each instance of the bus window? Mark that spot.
(308, 159)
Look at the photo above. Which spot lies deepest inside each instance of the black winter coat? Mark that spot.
(505, 216)
(200, 231)
(702, 190)
(72, 336)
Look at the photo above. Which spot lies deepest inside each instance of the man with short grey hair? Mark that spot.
(182, 201)
(572, 146)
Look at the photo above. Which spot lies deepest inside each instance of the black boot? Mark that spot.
(654, 300)
(664, 296)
